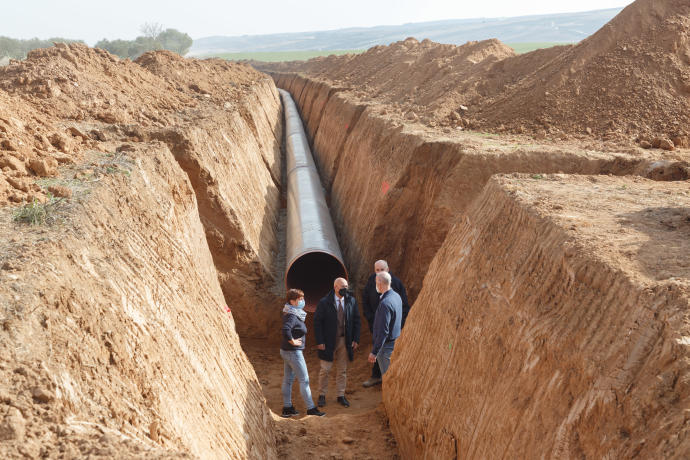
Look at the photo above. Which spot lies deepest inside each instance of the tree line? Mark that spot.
(153, 38)
(18, 49)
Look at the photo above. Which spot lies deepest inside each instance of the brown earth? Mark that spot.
(559, 308)
(230, 150)
(116, 340)
(396, 189)
(629, 81)
(358, 432)
(84, 99)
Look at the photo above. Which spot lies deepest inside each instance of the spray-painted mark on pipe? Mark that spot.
(314, 259)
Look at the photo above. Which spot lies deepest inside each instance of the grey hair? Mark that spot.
(382, 262)
(384, 278)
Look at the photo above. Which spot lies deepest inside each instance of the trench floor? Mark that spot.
(358, 432)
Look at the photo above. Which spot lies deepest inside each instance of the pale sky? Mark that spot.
(96, 19)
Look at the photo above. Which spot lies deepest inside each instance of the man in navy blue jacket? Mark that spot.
(387, 322)
(336, 329)
(370, 302)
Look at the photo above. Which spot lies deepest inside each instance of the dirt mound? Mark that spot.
(427, 78)
(77, 82)
(215, 79)
(630, 80)
(65, 100)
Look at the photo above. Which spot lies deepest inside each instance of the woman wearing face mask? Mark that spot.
(294, 332)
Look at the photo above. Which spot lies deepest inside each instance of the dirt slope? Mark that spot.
(427, 78)
(221, 120)
(230, 148)
(116, 338)
(630, 80)
(559, 310)
(631, 77)
(396, 189)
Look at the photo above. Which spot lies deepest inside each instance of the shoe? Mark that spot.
(315, 411)
(343, 402)
(371, 382)
(322, 401)
(289, 412)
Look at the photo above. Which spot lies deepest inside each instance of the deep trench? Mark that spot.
(420, 202)
(314, 273)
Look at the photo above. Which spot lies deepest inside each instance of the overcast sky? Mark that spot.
(96, 19)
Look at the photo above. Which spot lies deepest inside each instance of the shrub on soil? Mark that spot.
(37, 213)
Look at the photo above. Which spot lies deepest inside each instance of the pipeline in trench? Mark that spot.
(313, 261)
(313, 256)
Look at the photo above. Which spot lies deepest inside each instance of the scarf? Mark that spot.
(298, 312)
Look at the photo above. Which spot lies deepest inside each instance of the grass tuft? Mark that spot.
(37, 213)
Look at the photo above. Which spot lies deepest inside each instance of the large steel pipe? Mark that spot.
(314, 259)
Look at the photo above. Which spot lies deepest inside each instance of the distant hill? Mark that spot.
(560, 28)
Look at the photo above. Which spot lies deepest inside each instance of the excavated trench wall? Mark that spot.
(395, 192)
(117, 328)
(116, 325)
(548, 340)
(553, 353)
(233, 160)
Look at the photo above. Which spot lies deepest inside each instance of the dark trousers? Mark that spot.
(376, 371)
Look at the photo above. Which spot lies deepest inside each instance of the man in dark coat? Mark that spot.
(370, 302)
(336, 328)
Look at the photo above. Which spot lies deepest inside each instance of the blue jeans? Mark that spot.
(383, 358)
(295, 366)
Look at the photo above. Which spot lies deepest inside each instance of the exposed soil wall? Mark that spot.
(115, 340)
(232, 155)
(559, 315)
(221, 120)
(395, 190)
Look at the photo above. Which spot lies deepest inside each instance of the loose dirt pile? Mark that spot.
(63, 101)
(631, 78)
(629, 81)
(413, 79)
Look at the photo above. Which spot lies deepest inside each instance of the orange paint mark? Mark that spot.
(384, 187)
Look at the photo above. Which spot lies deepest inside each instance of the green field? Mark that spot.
(527, 47)
(281, 56)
